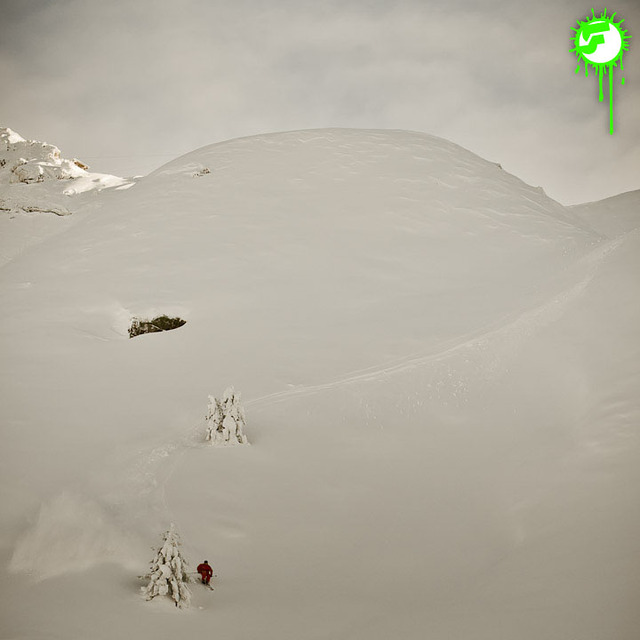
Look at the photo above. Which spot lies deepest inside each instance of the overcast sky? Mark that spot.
(127, 85)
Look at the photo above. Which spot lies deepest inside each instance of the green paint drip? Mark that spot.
(610, 99)
(600, 94)
(599, 41)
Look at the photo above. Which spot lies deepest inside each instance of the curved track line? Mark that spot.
(521, 323)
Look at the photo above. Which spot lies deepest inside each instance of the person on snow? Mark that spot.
(205, 571)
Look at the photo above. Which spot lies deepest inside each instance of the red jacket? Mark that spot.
(205, 570)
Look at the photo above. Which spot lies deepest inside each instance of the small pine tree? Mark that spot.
(168, 575)
(226, 420)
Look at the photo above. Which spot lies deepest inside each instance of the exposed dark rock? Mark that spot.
(161, 323)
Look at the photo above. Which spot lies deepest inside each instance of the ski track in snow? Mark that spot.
(509, 330)
(506, 334)
(141, 486)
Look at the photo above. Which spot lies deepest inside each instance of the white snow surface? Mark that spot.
(440, 368)
(612, 216)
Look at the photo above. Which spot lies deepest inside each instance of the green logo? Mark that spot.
(601, 42)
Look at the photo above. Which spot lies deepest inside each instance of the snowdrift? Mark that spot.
(438, 362)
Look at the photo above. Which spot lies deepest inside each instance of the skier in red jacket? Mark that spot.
(205, 571)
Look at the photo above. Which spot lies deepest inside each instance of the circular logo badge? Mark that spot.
(599, 42)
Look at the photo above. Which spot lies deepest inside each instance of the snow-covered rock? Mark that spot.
(30, 161)
(36, 179)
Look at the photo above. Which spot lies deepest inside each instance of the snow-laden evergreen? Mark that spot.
(168, 575)
(226, 420)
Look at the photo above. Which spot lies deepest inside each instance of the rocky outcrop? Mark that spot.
(29, 161)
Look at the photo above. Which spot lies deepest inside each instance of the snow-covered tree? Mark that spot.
(226, 420)
(168, 575)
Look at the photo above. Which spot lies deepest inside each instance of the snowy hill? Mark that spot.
(439, 365)
(613, 216)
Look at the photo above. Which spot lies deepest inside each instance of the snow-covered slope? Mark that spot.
(36, 180)
(439, 389)
(613, 216)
